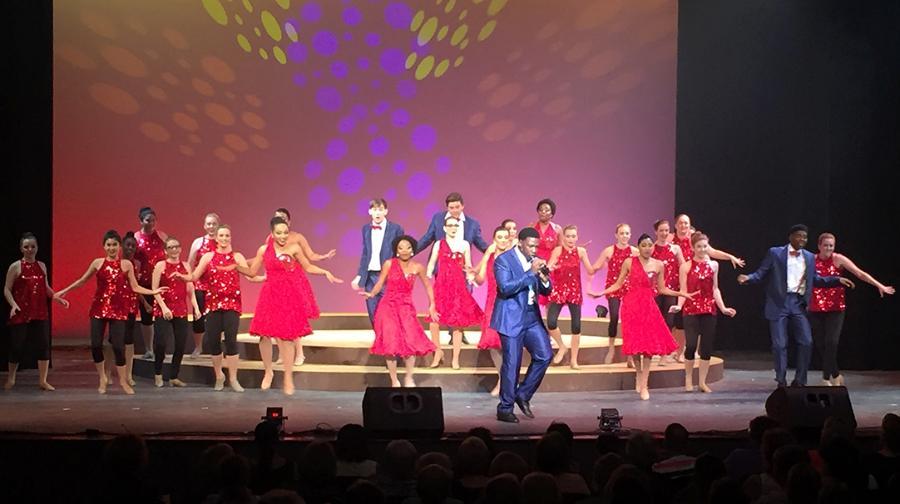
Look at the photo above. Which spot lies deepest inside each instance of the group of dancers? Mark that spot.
(665, 288)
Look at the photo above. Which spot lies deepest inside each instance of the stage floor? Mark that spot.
(197, 410)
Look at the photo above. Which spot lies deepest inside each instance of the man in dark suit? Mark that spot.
(790, 275)
(471, 229)
(377, 237)
(520, 278)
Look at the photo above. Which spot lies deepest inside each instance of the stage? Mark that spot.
(199, 412)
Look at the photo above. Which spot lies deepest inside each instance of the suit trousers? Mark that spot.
(535, 339)
(372, 302)
(793, 317)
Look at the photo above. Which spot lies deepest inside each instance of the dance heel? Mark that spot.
(158, 381)
(437, 359)
(46, 386)
(175, 382)
(560, 355)
(235, 385)
(126, 388)
(268, 376)
(220, 383)
(705, 389)
(645, 394)
(103, 384)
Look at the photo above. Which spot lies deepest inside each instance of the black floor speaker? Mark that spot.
(407, 413)
(809, 407)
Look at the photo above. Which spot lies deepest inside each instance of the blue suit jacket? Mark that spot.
(511, 304)
(391, 232)
(435, 232)
(774, 270)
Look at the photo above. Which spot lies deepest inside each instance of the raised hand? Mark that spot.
(885, 289)
(331, 253)
(737, 262)
(731, 312)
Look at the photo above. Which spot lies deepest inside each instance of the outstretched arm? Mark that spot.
(313, 269)
(154, 284)
(844, 261)
(379, 284)
(717, 294)
(761, 272)
(128, 269)
(50, 293)
(477, 239)
(721, 255)
(620, 281)
(554, 257)
(582, 254)
(95, 265)
(661, 287)
(304, 245)
(428, 238)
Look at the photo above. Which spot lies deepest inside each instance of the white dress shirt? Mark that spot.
(377, 241)
(526, 265)
(796, 272)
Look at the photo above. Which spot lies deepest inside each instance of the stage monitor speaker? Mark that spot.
(809, 407)
(416, 412)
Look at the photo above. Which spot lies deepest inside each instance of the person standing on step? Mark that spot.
(613, 257)
(565, 272)
(150, 250)
(377, 237)
(200, 246)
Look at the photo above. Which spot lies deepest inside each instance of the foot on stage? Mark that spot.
(9, 384)
(560, 355)
(436, 359)
(103, 384)
(235, 385)
(267, 379)
(46, 386)
(409, 383)
(220, 383)
(175, 382)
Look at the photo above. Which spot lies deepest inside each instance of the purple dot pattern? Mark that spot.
(313, 169)
(392, 61)
(373, 39)
(442, 165)
(320, 229)
(398, 15)
(352, 16)
(311, 12)
(339, 69)
(336, 149)
(325, 43)
(406, 89)
(379, 146)
(399, 167)
(424, 137)
(297, 52)
(328, 99)
(399, 118)
(418, 186)
(346, 124)
(351, 180)
(319, 198)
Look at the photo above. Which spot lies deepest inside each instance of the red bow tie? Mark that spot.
(794, 253)
(376, 227)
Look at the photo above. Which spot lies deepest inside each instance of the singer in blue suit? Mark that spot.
(378, 238)
(790, 275)
(471, 229)
(520, 278)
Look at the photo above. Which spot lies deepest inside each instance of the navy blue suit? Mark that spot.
(785, 309)
(435, 232)
(367, 279)
(519, 325)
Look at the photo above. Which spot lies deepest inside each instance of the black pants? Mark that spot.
(218, 322)
(35, 330)
(614, 304)
(130, 324)
(664, 303)
(146, 315)
(116, 338)
(199, 324)
(162, 329)
(696, 326)
(553, 310)
(826, 332)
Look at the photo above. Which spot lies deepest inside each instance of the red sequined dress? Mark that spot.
(224, 285)
(207, 244)
(176, 297)
(286, 302)
(566, 278)
(29, 289)
(112, 300)
(150, 250)
(687, 250)
(700, 280)
(489, 337)
(454, 303)
(644, 331)
(670, 260)
(549, 239)
(397, 328)
(614, 267)
(827, 299)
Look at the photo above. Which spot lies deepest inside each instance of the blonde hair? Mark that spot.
(825, 236)
(571, 227)
(620, 225)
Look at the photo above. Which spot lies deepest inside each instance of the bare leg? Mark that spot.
(689, 375)
(123, 380)
(610, 351)
(129, 364)
(299, 356)
(11, 377)
(198, 344)
(436, 339)
(556, 335)
(108, 362)
(630, 361)
(286, 348)
(678, 334)
(704, 371)
(231, 363)
(391, 363)
(457, 346)
(43, 370)
(637, 376)
(265, 352)
(497, 357)
(103, 381)
(410, 363)
(574, 342)
(217, 368)
(147, 334)
(645, 375)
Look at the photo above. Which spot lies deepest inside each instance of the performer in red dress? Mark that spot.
(200, 246)
(490, 338)
(286, 302)
(170, 311)
(299, 239)
(112, 305)
(550, 233)
(150, 250)
(454, 302)
(613, 257)
(700, 275)
(26, 290)
(672, 257)
(826, 310)
(565, 277)
(644, 331)
(397, 329)
(223, 304)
